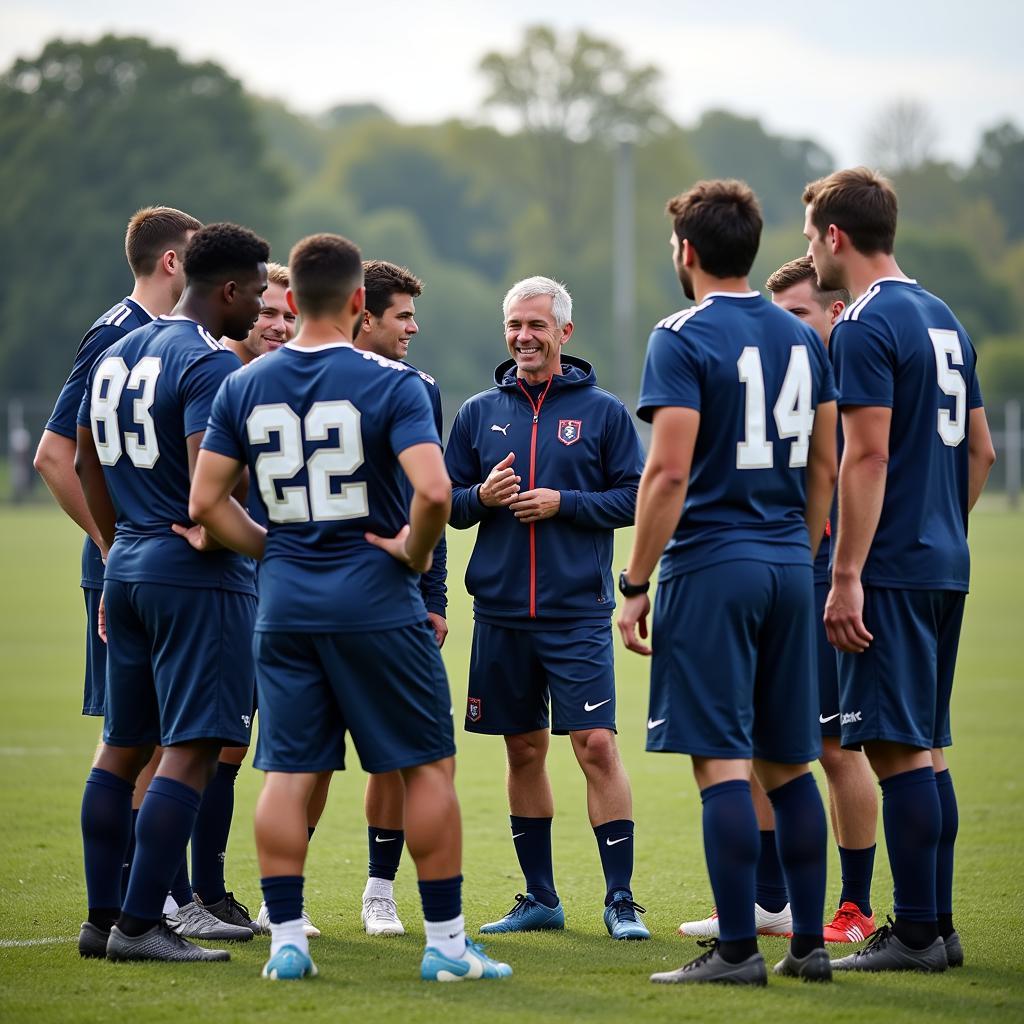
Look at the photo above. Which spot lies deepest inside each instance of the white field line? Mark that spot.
(20, 943)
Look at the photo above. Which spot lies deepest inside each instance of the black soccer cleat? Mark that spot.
(885, 952)
(92, 942)
(954, 951)
(815, 966)
(231, 911)
(710, 968)
(159, 943)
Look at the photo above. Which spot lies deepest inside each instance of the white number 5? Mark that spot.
(952, 429)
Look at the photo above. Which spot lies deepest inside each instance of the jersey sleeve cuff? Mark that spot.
(568, 504)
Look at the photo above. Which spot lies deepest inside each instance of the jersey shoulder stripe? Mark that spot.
(675, 321)
(117, 314)
(856, 308)
(391, 364)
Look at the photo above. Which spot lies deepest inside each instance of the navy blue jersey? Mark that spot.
(901, 348)
(756, 374)
(112, 326)
(144, 396)
(320, 430)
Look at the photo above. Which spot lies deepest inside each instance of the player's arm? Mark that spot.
(414, 545)
(659, 505)
(822, 471)
(212, 506)
(94, 490)
(55, 463)
(981, 455)
(862, 478)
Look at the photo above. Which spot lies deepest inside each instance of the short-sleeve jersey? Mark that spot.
(321, 430)
(756, 374)
(112, 326)
(144, 396)
(901, 348)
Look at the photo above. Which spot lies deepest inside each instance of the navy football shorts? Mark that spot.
(898, 690)
(828, 668)
(514, 673)
(387, 688)
(733, 665)
(95, 657)
(179, 665)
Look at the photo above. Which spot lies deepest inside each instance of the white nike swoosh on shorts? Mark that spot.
(593, 707)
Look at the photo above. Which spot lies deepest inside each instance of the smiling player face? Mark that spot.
(275, 324)
(390, 333)
(534, 340)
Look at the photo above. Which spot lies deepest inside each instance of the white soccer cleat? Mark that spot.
(380, 916)
(766, 923)
(263, 922)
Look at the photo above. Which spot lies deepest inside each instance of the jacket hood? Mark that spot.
(575, 373)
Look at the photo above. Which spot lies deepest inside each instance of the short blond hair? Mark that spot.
(278, 274)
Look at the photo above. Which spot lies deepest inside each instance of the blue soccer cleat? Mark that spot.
(528, 915)
(474, 964)
(620, 917)
(289, 963)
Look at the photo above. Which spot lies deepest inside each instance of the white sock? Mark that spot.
(288, 933)
(382, 887)
(447, 937)
(170, 907)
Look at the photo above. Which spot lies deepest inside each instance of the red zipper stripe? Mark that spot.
(533, 479)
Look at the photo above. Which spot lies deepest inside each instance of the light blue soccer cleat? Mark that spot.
(528, 915)
(289, 963)
(620, 917)
(474, 964)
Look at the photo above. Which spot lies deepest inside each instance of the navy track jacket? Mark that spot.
(574, 438)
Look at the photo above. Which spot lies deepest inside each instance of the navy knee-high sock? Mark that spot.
(210, 834)
(857, 869)
(165, 823)
(770, 892)
(615, 845)
(181, 885)
(912, 819)
(385, 851)
(802, 837)
(126, 869)
(732, 843)
(944, 859)
(532, 838)
(106, 833)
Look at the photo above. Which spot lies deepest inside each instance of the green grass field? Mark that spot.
(45, 750)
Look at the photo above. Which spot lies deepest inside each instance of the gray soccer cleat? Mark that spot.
(954, 951)
(194, 921)
(815, 966)
(710, 967)
(92, 942)
(885, 952)
(230, 911)
(159, 943)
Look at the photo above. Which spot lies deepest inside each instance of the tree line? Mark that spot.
(89, 132)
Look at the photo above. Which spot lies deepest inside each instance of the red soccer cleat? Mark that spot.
(849, 925)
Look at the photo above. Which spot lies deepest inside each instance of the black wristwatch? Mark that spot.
(628, 589)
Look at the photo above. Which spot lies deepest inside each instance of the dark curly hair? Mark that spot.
(218, 251)
(722, 220)
(384, 280)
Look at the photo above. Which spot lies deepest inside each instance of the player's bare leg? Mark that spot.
(384, 804)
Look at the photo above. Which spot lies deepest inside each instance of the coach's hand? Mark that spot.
(501, 485)
(101, 620)
(439, 626)
(397, 549)
(197, 536)
(844, 621)
(633, 618)
(540, 503)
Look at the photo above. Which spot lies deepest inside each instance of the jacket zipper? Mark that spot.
(533, 478)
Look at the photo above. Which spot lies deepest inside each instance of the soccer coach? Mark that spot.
(548, 465)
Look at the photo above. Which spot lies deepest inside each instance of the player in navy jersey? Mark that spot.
(916, 454)
(738, 482)
(154, 245)
(179, 662)
(342, 641)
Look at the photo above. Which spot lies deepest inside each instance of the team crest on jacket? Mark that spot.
(569, 431)
(474, 710)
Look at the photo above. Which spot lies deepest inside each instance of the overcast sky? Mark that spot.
(803, 69)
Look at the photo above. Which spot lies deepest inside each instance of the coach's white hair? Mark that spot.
(531, 287)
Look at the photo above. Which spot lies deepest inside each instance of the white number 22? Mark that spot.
(794, 416)
(295, 503)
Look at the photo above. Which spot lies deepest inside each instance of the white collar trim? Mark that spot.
(731, 295)
(317, 348)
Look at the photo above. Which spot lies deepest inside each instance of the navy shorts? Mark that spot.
(387, 688)
(898, 689)
(733, 665)
(828, 668)
(514, 673)
(95, 657)
(179, 665)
